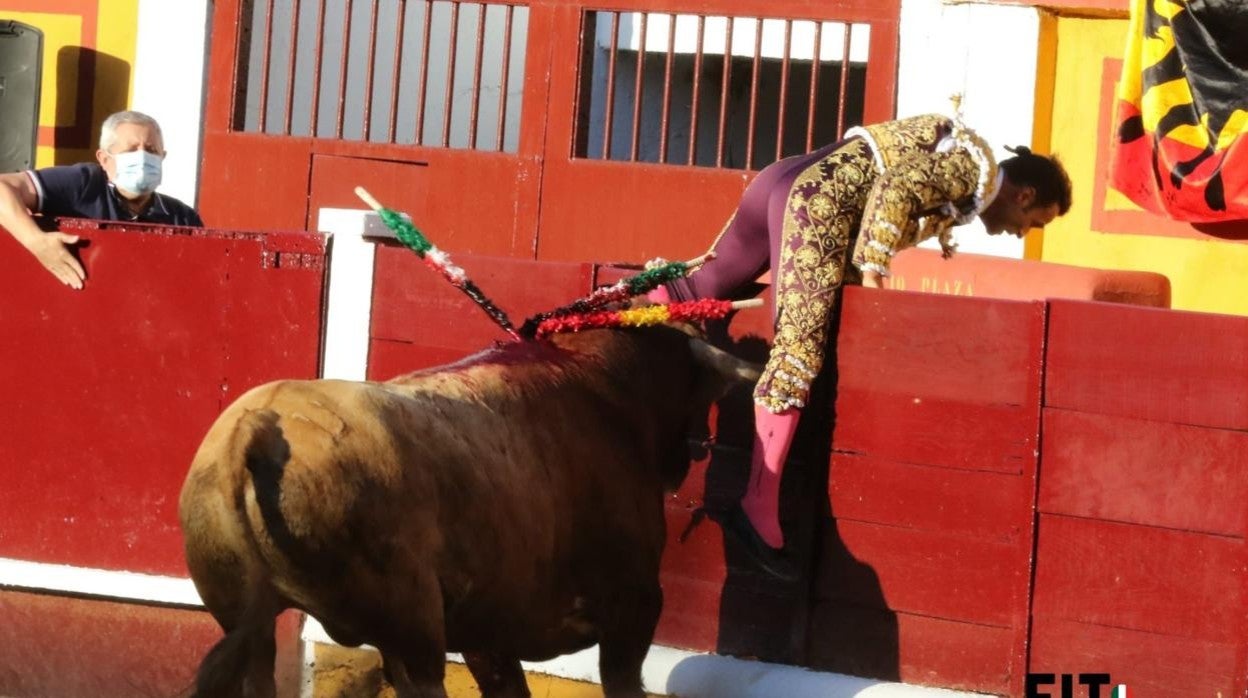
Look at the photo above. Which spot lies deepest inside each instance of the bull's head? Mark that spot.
(715, 373)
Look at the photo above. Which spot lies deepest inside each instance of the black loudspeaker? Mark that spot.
(21, 63)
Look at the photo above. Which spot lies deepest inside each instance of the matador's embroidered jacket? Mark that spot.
(883, 189)
(933, 173)
(818, 218)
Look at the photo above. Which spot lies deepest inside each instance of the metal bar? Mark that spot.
(342, 68)
(264, 64)
(452, 45)
(476, 77)
(502, 97)
(697, 83)
(290, 73)
(424, 73)
(784, 87)
(758, 52)
(667, 87)
(396, 71)
(840, 98)
(723, 93)
(610, 102)
(316, 65)
(368, 71)
(814, 86)
(641, 69)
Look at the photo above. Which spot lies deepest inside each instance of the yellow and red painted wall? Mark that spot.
(88, 70)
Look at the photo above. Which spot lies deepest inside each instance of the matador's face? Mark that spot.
(1016, 212)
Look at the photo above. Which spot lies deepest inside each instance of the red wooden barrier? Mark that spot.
(1019, 279)
(113, 386)
(925, 567)
(108, 393)
(420, 320)
(1141, 559)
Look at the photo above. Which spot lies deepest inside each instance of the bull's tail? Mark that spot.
(230, 572)
(241, 663)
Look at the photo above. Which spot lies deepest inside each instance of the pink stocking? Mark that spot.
(773, 434)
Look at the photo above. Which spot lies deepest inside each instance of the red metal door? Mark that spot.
(512, 145)
(644, 164)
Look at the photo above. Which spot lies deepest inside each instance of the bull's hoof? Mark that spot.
(736, 525)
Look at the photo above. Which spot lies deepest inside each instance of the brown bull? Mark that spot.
(509, 507)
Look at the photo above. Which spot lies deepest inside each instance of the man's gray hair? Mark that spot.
(108, 131)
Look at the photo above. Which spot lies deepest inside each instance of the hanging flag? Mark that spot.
(1181, 146)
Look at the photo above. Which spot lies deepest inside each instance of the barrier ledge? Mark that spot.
(1022, 279)
(669, 671)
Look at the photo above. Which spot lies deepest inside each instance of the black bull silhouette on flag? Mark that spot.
(1182, 110)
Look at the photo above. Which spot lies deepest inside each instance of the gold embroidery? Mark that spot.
(938, 187)
(919, 194)
(822, 213)
(894, 141)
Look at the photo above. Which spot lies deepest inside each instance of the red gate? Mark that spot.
(552, 129)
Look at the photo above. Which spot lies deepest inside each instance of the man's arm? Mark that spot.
(918, 184)
(17, 199)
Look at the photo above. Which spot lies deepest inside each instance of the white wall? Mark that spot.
(169, 84)
(987, 53)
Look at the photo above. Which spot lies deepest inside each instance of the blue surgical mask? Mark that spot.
(138, 172)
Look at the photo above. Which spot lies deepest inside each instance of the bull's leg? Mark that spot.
(242, 663)
(627, 631)
(497, 676)
(414, 645)
(420, 682)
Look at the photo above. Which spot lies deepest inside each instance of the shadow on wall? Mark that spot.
(834, 617)
(89, 86)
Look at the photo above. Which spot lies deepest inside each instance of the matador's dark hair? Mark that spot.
(1044, 173)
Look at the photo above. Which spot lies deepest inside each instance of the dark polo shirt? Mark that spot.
(83, 191)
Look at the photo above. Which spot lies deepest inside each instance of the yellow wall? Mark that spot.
(113, 41)
(1206, 274)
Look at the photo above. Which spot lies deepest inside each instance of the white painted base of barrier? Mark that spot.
(87, 581)
(673, 672)
(667, 671)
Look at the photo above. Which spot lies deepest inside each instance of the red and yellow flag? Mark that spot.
(1181, 147)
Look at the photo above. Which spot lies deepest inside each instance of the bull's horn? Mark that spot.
(723, 363)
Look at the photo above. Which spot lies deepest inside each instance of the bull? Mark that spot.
(508, 507)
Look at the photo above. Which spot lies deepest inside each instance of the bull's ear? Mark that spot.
(719, 370)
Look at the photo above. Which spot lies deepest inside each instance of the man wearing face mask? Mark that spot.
(121, 187)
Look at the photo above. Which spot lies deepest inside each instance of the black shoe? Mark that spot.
(736, 524)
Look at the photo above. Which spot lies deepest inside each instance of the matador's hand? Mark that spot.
(872, 279)
(52, 252)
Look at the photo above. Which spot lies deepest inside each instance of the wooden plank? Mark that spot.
(916, 649)
(930, 573)
(1150, 664)
(107, 413)
(988, 506)
(414, 304)
(970, 350)
(1145, 472)
(934, 431)
(1146, 363)
(1140, 578)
